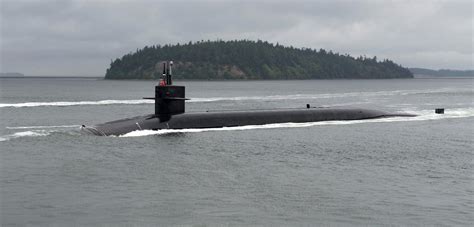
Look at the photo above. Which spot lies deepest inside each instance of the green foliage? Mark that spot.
(244, 59)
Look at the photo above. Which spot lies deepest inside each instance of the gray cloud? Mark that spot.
(81, 37)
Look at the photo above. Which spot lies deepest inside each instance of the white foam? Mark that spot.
(25, 134)
(44, 127)
(423, 115)
(31, 133)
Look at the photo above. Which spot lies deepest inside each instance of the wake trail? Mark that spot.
(238, 98)
(79, 103)
(42, 126)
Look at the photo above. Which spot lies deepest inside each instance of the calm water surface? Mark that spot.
(402, 171)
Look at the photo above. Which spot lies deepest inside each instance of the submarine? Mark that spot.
(170, 114)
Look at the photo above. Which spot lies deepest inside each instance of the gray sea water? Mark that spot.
(400, 171)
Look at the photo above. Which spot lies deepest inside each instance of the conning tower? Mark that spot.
(169, 98)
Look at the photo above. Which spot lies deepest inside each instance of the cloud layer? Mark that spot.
(81, 37)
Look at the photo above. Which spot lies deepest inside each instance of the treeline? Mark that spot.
(244, 59)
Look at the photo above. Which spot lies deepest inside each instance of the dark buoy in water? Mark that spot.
(439, 110)
(170, 114)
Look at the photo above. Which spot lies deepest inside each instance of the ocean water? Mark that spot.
(400, 171)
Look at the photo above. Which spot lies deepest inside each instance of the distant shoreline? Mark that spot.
(446, 73)
(12, 74)
(421, 76)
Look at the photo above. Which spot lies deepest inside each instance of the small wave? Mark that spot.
(423, 115)
(25, 134)
(44, 127)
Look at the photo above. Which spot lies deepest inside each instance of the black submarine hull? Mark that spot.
(233, 119)
(170, 114)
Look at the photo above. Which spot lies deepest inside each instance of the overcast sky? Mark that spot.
(81, 37)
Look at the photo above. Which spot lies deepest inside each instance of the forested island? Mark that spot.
(250, 60)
